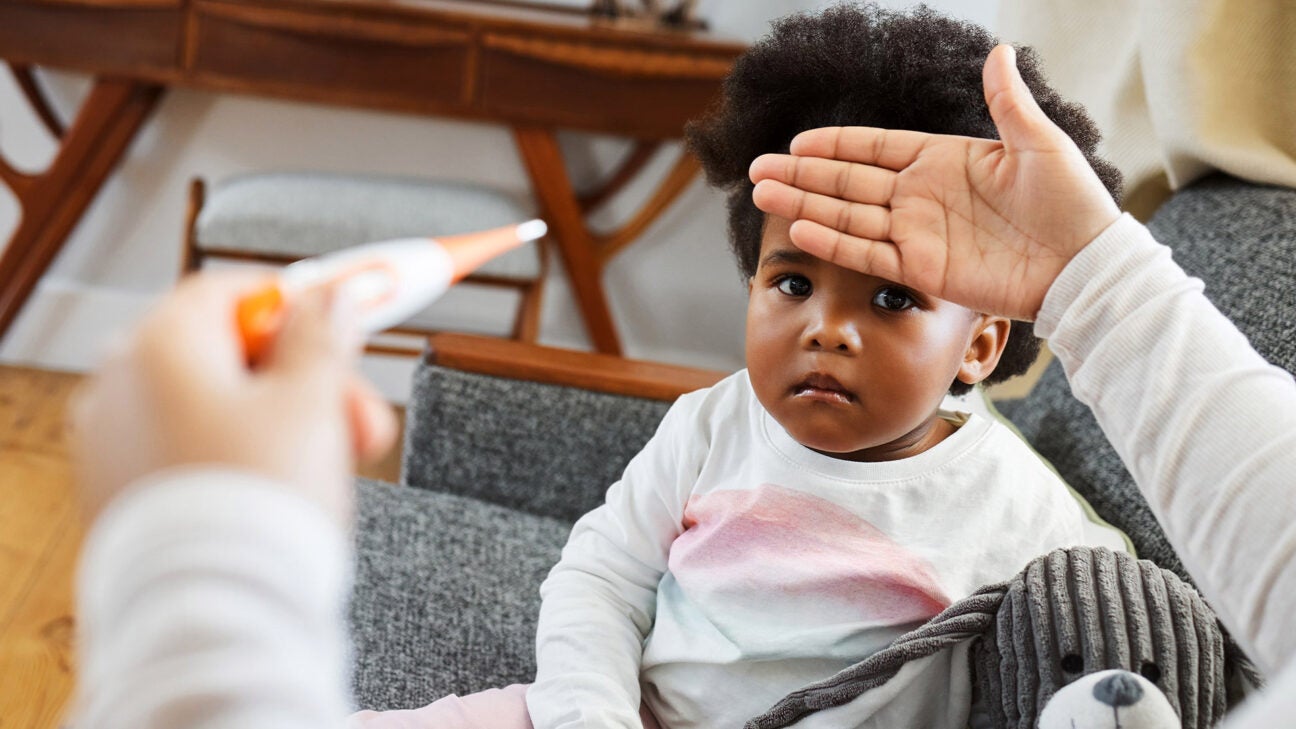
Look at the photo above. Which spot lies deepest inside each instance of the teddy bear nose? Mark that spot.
(1119, 689)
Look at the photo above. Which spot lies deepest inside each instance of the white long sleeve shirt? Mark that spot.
(731, 565)
(1204, 424)
(212, 599)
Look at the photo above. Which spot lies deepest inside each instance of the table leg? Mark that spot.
(53, 201)
(552, 187)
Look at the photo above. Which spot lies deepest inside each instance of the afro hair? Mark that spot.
(862, 65)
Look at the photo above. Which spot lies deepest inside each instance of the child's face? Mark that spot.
(853, 365)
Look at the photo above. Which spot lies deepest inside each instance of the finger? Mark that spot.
(873, 257)
(193, 326)
(1022, 124)
(846, 180)
(317, 338)
(372, 421)
(888, 148)
(855, 219)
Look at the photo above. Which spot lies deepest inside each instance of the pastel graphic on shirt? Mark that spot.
(756, 559)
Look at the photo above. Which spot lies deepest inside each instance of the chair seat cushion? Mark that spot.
(446, 594)
(299, 214)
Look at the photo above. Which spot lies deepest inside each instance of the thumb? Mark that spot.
(1021, 122)
(373, 423)
(318, 337)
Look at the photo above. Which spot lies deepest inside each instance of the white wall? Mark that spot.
(675, 294)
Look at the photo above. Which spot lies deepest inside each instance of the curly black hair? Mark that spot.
(863, 65)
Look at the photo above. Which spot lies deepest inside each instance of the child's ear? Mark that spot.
(989, 337)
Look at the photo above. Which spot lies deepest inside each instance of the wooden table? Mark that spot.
(535, 70)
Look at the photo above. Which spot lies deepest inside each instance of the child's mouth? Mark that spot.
(822, 388)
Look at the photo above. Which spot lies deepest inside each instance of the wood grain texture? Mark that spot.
(594, 371)
(40, 534)
(54, 200)
(538, 147)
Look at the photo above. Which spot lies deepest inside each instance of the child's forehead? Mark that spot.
(776, 247)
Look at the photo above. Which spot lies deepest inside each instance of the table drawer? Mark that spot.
(128, 37)
(337, 58)
(644, 91)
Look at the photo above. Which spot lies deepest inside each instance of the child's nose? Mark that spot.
(833, 333)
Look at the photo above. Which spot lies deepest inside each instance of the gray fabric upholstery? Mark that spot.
(542, 449)
(447, 594)
(1240, 239)
(303, 214)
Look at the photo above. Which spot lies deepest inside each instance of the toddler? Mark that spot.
(804, 512)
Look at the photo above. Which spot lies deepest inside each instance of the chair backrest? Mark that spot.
(1240, 239)
(529, 427)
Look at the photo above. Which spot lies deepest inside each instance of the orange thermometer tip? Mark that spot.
(258, 318)
(469, 251)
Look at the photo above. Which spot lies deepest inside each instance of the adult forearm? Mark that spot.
(212, 599)
(1204, 424)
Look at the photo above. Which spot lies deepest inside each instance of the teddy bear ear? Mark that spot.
(1243, 677)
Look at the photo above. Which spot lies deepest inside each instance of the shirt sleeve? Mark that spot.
(1204, 424)
(212, 598)
(599, 602)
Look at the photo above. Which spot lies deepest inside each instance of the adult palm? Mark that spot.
(988, 224)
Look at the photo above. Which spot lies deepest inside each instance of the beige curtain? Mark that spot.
(1180, 88)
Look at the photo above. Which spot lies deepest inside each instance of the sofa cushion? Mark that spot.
(446, 594)
(1240, 239)
(546, 449)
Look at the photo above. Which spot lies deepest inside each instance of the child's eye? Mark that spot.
(892, 298)
(794, 285)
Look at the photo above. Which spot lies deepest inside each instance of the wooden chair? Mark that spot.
(281, 217)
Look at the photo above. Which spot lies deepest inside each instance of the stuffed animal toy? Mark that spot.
(1113, 699)
(1077, 630)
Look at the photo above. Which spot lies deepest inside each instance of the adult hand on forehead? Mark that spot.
(987, 224)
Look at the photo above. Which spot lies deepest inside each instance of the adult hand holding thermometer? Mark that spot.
(388, 282)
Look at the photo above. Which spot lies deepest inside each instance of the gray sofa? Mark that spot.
(499, 461)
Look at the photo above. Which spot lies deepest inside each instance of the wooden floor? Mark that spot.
(40, 533)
